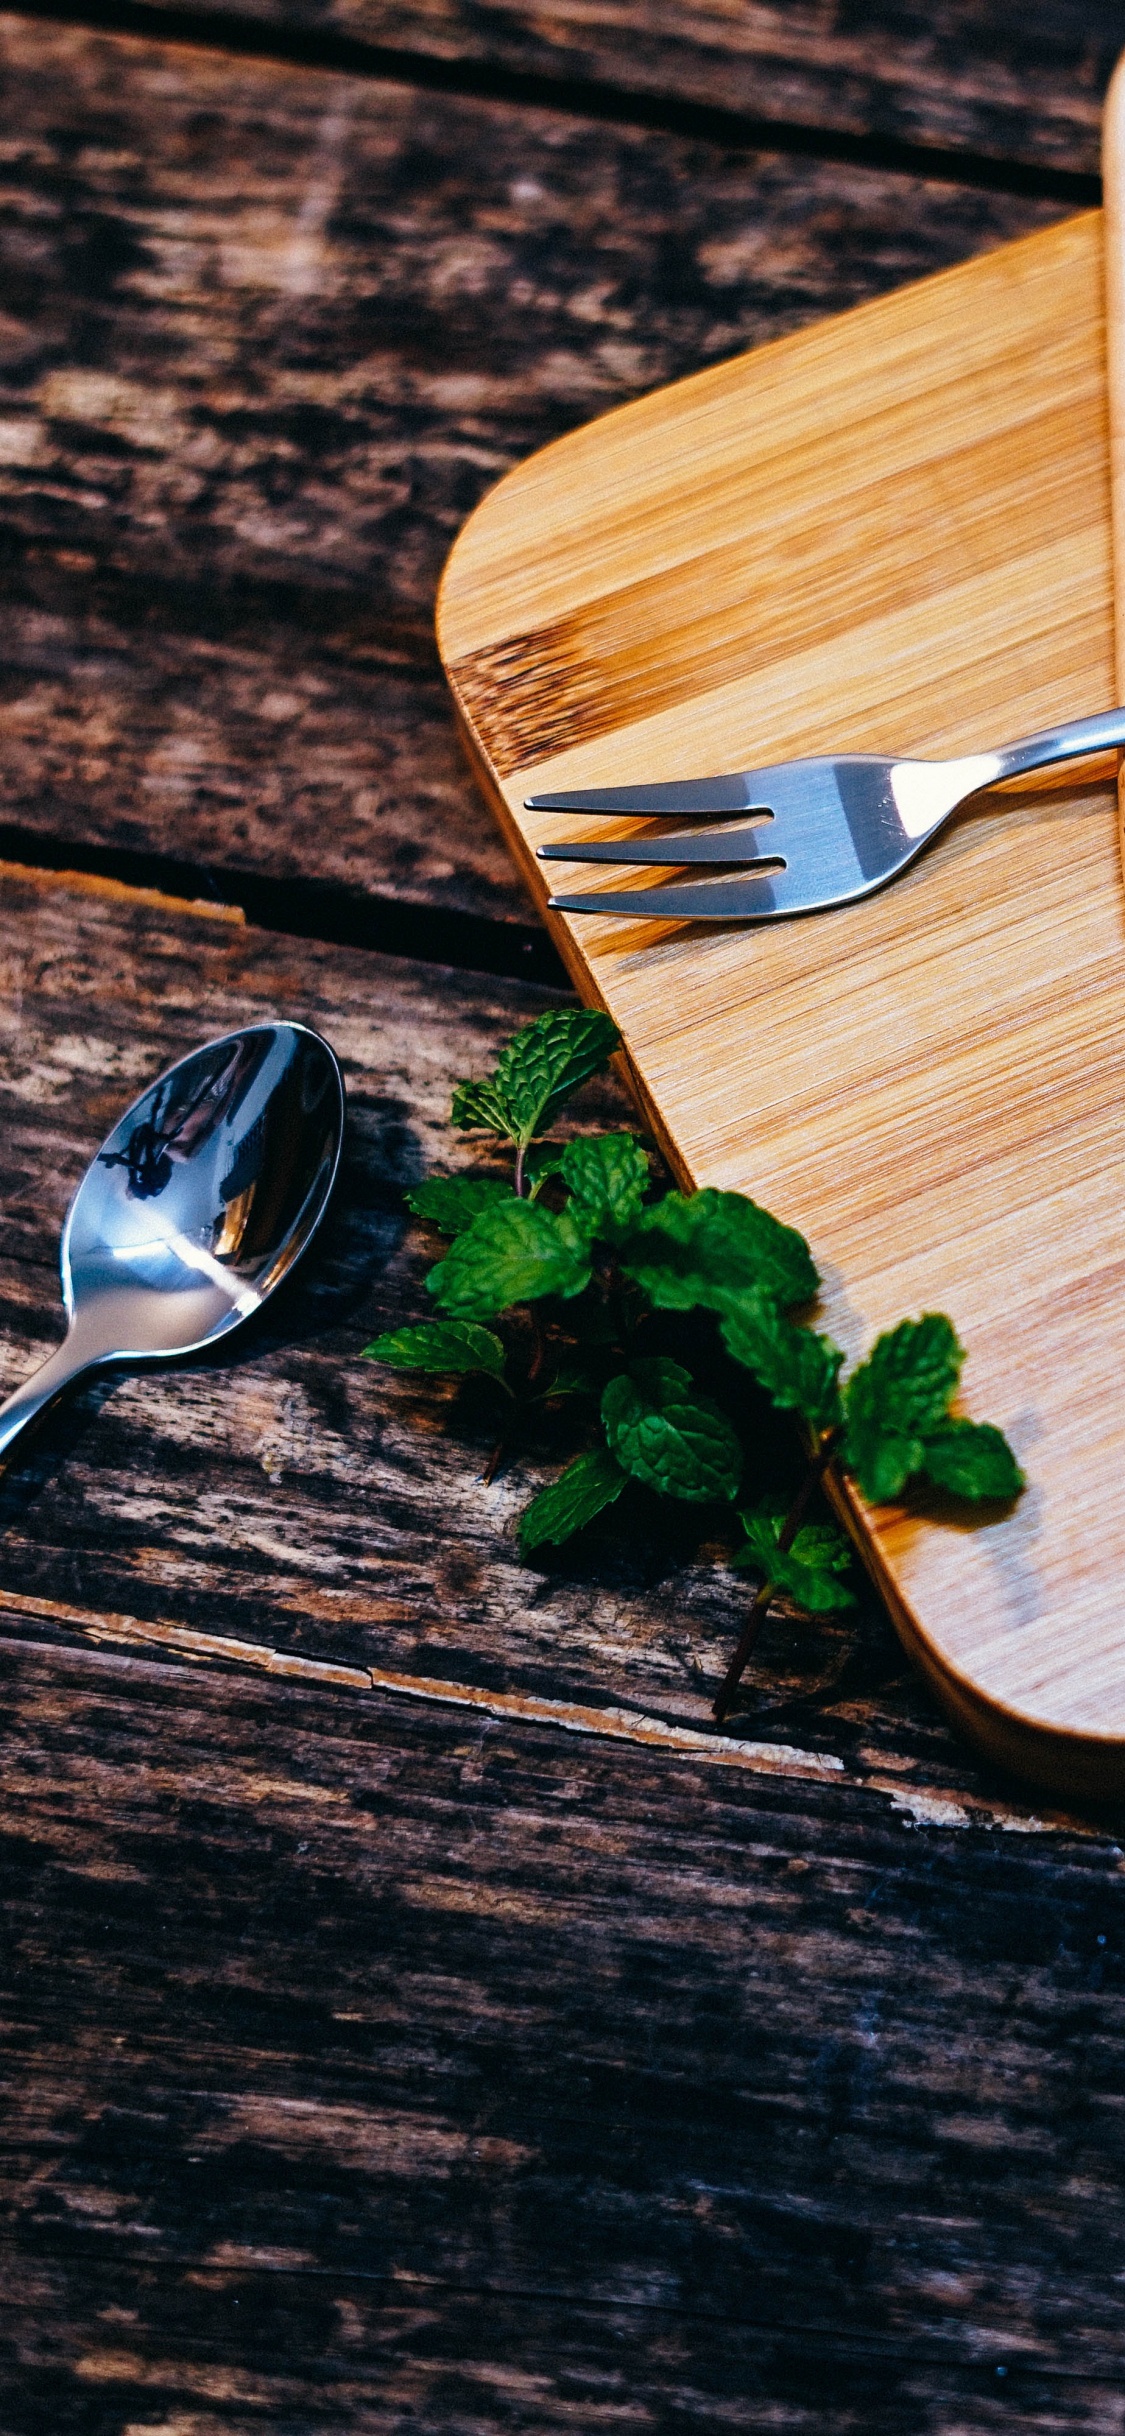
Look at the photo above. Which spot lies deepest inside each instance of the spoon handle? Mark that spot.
(65, 1364)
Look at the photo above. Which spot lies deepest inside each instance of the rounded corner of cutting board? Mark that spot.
(1076, 1765)
(1084, 1768)
(487, 561)
(665, 588)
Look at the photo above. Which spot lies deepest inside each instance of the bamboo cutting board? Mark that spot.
(888, 533)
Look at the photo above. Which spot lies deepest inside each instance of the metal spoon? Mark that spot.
(196, 1207)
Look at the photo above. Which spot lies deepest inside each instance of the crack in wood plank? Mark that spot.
(926, 1806)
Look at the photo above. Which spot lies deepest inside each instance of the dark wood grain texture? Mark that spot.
(269, 334)
(985, 78)
(366, 2072)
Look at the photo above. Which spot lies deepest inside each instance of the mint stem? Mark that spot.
(785, 1539)
(520, 1148)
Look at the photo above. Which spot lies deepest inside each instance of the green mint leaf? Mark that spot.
(607, 1175)
(896, 1400)
(808, 1572)
(478, 1107)
(665, 1434)
(451, 1203)
(515, 1253)
(972, 1459)
(797, 1367)
(440, 1345)
(589, 1483)
(546, 1063)
(537, 1072)
(693, 1248)
(881, 1461)
(910, 1374)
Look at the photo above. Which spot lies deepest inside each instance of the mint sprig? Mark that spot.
(582, 1269)
(896, 1400)
(807, 1570)
(535, 1075)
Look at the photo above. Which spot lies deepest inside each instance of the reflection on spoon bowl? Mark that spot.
(196, 1207)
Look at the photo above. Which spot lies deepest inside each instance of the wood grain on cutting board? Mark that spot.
(891, 532)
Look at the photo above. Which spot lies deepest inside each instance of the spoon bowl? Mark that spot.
(196, 1207)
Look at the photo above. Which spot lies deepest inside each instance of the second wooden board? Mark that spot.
(889, 533)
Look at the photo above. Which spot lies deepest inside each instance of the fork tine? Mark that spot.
(743, 897)
(741, 845)
(686, 796)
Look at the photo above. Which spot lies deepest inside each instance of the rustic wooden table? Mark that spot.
(379, 2050)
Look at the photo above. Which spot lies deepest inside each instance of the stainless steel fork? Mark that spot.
(803, 835)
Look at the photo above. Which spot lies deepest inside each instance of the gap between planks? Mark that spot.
(925, 1806)
(96, 884)
(409, 930)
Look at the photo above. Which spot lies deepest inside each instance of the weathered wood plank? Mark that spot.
(1021, 85)
(295, 1498)
(357, 2067)
(257, 753)
(270, 333)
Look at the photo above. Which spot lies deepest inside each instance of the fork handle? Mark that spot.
(1104, 733)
